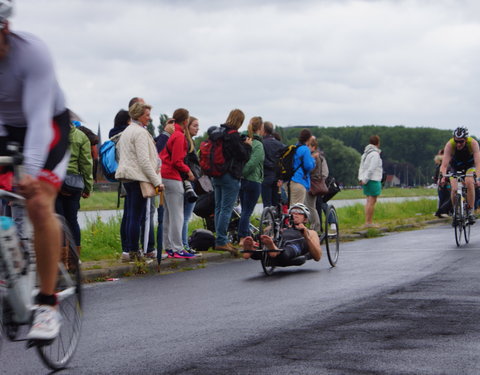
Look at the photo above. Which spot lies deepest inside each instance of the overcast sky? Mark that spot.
(324, 62)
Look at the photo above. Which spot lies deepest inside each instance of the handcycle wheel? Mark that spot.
(458, 219)
(59, 352)
(267, 227)
(332, 235)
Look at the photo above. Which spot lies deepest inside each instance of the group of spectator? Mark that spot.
(170, 161)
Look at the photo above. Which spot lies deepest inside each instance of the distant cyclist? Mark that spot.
(33, 114)
(296, 239)
(462, 153)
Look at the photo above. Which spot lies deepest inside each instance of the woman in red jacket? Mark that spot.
(174, 171)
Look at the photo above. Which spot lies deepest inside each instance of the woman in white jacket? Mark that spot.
(370, 177)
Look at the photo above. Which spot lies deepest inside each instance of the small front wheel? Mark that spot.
(267, 227)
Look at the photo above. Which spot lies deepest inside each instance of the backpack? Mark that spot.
(285, 169)
(201, 240)
(212, 158)
(109, 158)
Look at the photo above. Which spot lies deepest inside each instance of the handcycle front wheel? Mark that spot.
(59, 352)
(332, 235)
(267, 227)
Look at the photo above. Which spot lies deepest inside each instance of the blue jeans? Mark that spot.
(270, 193)
(187, 214)
(249, 193)
(136, 207)
(226, 192)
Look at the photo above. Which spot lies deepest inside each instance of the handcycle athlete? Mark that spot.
(33, 114)
(296, 241)
(462, 154)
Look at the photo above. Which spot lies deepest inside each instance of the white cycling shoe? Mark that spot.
(46, 323)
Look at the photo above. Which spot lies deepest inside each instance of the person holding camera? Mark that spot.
(174, 172)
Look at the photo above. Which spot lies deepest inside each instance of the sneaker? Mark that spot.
(46, 323)
(125, 257)
(151, 254)
(182, 254)
(471, 217)
(169, 253)
(333, 228)
(191, 251)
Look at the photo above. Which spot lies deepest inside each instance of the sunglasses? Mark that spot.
(299, 212)
(460, 141)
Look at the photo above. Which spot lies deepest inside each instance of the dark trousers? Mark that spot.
(68, 206)
(136, 207)
(270, 195)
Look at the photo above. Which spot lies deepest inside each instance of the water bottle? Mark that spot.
(15, 265)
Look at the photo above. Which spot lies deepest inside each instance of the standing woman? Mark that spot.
(138, 161)
(174, 171)
(303, 163)
(252, 178)
(226, 187)
(194, 165)
(80, 165)
(370, 177)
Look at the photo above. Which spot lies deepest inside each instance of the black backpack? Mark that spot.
(285, 169)
(201, 240)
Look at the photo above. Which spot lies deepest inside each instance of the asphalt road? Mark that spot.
(407, 303)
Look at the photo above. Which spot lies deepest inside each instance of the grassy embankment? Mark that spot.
(101, 240)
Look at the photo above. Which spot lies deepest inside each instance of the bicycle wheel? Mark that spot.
(332, 235)
(466, 224)
(458, 219)
(267, 227)
(59, 352)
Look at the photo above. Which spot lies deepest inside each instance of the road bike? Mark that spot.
(460, 221)
(19, 283)
(272, 223)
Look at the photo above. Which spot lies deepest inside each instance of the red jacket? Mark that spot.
(173, 155)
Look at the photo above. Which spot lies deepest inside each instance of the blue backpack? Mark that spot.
(109, 158)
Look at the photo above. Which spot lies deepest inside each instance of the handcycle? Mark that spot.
(272, 223)
(19, 283)
(460, 222)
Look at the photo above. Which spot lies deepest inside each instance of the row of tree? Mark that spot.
(406, 152)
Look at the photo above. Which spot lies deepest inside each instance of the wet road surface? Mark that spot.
(407, 303)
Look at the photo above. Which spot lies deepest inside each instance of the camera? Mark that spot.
(189, 192)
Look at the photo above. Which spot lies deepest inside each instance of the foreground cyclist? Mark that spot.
(296, 240)
(462, 153)
(33, 113)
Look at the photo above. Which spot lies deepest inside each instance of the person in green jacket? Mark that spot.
(252, 178)
(78, 181)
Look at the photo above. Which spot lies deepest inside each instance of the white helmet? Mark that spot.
(300, 206)
(6, 9)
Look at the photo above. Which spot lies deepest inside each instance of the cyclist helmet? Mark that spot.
(6, 8)
(302, 207)
(460, 132)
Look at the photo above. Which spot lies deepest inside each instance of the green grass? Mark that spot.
(100, 200)
(388, 193)
(101, 240)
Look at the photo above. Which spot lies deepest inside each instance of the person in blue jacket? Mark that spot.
(303, 164)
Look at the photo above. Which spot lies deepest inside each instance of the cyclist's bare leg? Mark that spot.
(369, 209)
(247, 245)
(469, 182)
(46, 230)
(453, 191)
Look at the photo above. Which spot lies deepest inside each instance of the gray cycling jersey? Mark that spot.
(30, 96)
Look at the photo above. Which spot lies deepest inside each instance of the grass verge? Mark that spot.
(101, 240)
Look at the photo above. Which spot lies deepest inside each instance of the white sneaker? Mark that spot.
(46, 323)
(333, 228)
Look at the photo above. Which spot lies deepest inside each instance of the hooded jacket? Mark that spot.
(370, 165)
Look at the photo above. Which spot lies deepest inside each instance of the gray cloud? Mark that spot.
(310, 62)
